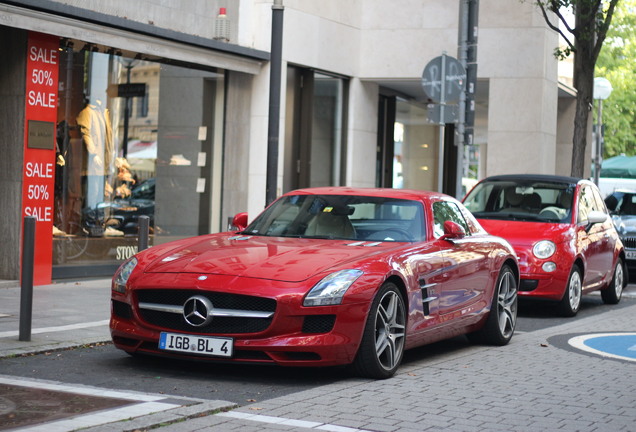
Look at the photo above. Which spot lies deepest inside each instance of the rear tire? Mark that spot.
(613, 293)
(502, 318)
(382, 347)
(571, 302)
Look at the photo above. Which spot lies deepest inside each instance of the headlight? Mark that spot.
(544, 249)
(122, 275)
(331, 289)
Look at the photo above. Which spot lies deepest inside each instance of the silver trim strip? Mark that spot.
(178, 309)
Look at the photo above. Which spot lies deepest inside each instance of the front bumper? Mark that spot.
(294, 336)
(540, 286)
(538, 283)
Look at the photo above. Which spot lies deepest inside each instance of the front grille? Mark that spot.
(318, 323)
(629, 242)
(122, 310)
(220, 300)
(218, 325)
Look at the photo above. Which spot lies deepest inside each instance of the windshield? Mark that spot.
(622, 203)
(523, 200)
(341, 217)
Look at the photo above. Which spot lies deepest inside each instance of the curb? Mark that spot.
(202, 408)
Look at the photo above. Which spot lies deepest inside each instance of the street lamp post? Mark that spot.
(274, 101)
(602, 90)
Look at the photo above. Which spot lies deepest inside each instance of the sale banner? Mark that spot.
(39, 147)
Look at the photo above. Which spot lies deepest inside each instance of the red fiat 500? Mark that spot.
(322, 277)
(562, 233)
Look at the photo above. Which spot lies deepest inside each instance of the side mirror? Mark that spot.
(452, 231)
(239, 222)
(595, 217)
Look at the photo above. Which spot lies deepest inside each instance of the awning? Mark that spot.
(619, 167)
(163, 44)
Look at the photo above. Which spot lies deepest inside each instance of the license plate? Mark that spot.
(631, 255)
(205, 345)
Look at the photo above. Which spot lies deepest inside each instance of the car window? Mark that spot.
(587, 203)
(622, 203)
(342, 217)
(600, 204)
(447, 211)
(521, 200)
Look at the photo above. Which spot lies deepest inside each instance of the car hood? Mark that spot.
(273, 258)
(625, 225)
(528, 233)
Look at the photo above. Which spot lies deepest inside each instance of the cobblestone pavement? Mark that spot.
(529, 385)
(536, 383)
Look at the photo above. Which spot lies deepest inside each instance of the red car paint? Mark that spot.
(595, 248)
(458, 275)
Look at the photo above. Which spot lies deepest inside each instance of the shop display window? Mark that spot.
(134, 138)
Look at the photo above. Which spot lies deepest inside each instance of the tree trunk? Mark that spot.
(584, 84)
(583, 107)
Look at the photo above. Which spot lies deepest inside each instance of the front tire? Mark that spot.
(502, 319)
(571, 301)
(382, 346)
(613, 293)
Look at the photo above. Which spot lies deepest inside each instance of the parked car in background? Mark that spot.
(122, 214)
(561, 230)
(622, 207)
(325, 276)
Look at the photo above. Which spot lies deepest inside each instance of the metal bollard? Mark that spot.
(144, 232)
(26, 292)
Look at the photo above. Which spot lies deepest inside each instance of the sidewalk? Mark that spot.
(535, 383)
(64, 314)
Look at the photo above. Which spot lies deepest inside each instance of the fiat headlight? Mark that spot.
(544, 249)
(331, 289)
(122, 275)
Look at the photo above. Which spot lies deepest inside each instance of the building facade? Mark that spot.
(116, 110)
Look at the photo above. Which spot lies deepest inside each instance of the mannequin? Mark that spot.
(95, 128)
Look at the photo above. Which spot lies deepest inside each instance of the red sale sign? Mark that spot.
(39, 147)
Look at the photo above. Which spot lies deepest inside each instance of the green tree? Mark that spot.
(617, 63)
(584, 39)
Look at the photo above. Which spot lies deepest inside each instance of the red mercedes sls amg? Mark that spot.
(324, 276)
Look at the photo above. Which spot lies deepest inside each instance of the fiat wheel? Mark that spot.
(571, 301)
(382, 345)
(613, 293)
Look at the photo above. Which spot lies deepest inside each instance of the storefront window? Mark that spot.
(415, 148)
(134, 138)
(314, 134)
(326, 145)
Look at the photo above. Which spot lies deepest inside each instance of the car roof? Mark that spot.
(624, 191)
(408, 194)
(534, 177)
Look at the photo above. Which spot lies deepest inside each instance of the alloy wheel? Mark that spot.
(389, 330)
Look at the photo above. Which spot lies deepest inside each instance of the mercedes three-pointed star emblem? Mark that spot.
(197, 311)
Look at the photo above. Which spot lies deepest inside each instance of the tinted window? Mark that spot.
(622, 203)
(341, 217)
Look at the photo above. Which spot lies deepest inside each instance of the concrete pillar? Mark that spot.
(13, 51)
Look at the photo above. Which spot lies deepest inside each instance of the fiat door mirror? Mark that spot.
(596, 216)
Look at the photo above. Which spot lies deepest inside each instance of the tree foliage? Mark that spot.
(584, 39)
(617, 63)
